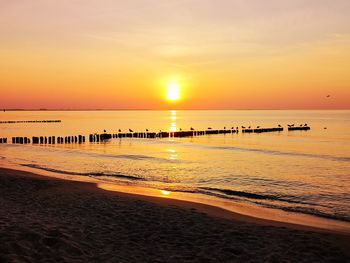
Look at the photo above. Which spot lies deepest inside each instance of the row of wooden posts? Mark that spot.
(260, 130)
(49, 140)
(303, 128)
(34, 121)
(151, 135)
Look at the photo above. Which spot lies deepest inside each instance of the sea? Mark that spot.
(306, 172)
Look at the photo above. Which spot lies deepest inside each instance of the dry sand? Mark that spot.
(51, 220)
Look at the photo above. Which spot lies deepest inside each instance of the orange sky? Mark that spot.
(228, 54)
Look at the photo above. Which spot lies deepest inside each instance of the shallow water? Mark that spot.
(302, 171)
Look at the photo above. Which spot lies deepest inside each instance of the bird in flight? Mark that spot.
(328, 96)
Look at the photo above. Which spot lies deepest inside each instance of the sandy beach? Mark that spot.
(45, 219)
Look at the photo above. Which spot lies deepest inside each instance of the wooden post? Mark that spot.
(35, 140)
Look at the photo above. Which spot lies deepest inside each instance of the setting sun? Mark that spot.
(173, 91)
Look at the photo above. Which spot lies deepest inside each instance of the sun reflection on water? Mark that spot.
(173, 154)
(173, 119)
(165, 193)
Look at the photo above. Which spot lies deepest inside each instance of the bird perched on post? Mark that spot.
(119, 130)
(130, 130)
(192, 129)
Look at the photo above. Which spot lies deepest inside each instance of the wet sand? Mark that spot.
(45, 219)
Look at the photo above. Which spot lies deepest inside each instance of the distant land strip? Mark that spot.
(30, 121)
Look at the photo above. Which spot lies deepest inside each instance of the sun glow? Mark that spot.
(173, 91)
(165, 193)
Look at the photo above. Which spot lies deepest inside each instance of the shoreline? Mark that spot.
(44, 217)
(213, 205)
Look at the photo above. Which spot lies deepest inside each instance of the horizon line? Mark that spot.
(149, 109)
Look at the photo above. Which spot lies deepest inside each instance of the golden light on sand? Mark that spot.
(173, 91)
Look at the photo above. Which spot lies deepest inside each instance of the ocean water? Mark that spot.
(300, 171)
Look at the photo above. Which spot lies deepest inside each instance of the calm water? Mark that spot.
(307, 172)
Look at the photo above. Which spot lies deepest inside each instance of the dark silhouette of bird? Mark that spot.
(180, 129)
(257, 127)
(236, 128)
(146, 130)
(325, 128)
(209, 128)
(192, 129)
(130, 130)
(279, 125)
(328, 96)
(225, 128)
(119, 130)
(232, 128)
(301, 125)
(249, 127)
(305, 125)
(104, 131)
(243, 127)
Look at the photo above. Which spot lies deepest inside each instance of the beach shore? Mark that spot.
(45, 219)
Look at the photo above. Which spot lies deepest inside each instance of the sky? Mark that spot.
(223, 54)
